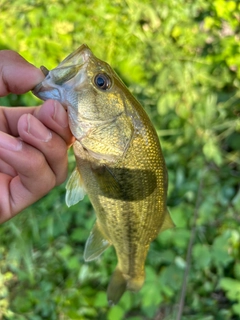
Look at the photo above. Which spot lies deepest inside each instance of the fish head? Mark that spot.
(87, 87)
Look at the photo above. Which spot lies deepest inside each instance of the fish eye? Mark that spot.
(102, 81)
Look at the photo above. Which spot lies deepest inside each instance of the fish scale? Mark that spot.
(119, 164)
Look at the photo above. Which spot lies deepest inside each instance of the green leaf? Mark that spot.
(202, 256)
(232, 288)
(101, 299)
(236, 308)
(115, 313)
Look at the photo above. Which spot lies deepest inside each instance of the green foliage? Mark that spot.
(181, 59)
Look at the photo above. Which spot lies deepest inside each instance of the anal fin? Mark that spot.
(96, 244)
(116, 287)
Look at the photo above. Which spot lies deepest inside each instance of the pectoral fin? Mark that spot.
(95, 245)
(167, 223)
(75, 190)
(109, 141)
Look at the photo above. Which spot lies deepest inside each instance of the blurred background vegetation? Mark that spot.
(181, 59)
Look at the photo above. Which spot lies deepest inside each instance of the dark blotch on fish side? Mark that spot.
(125, 184)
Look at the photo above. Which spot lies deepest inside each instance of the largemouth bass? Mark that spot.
(119, 163)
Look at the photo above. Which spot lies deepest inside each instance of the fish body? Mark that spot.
(119, 164)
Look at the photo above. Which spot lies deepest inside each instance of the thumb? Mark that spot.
(16, 74)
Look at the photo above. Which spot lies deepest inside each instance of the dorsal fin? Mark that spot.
(167, 223)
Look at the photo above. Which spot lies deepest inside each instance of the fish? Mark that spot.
(119, 164)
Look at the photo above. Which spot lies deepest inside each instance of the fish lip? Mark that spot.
(37, 89)
(48, 89)
(47, 92)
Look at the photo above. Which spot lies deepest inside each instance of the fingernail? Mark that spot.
(37, 129)
(60, 115)
(9, 142)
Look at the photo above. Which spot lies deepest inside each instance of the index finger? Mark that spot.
(16, 74)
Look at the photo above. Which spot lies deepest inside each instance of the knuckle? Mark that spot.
(39, 167)
(62, 151)
(62, 177)
(37, 162)
(57, 147)
(51, 182)
(62, 170)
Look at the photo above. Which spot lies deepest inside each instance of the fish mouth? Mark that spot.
(56, 79)
(45, 92)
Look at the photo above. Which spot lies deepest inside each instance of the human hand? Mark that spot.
(33, 140)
